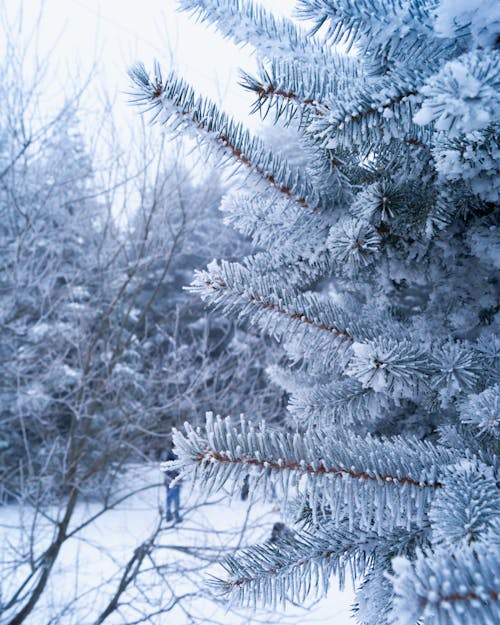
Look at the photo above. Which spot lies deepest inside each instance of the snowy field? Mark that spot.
(173, 578)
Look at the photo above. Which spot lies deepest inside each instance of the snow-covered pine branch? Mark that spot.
(299, 566)
(174, 103)
(249, 23)
(385, 300)
(375, 484)
(447, 588)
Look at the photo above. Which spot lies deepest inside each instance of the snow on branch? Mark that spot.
(373, 22)
(447, 588)
(270, 571)
(376, 484)
(345, 401)
(369, 119)
(465, 512)
(175, 103)
(483, 411)
(233, 288)
(313, 327)
(302, 564)
(342, 101)
(464, 95)
(298, 275)
(277, 226)
(289, 82)
(247, 22)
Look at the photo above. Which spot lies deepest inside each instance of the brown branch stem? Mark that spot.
(270, 91)
(208, 456)
(468, 596)
(238, 154)
(216, 285)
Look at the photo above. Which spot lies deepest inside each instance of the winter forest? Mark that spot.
(249, 359)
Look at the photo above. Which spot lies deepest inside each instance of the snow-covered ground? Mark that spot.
(173, 577)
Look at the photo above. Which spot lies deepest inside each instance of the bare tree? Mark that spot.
(100, 355)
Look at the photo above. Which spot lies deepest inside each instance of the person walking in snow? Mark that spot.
(245, 489)
(173, 492)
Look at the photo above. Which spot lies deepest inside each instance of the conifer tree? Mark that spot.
(375, 268)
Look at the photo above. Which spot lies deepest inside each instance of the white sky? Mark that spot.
(111, 35)
(116, 33)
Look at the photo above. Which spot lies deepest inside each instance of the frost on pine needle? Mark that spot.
(373, 269)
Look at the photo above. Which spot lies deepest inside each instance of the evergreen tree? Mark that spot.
(375, 268)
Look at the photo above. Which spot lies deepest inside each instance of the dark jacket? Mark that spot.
(170, 474)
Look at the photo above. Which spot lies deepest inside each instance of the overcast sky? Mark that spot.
(116, 33)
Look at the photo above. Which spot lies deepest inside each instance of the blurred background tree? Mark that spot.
(102, 351)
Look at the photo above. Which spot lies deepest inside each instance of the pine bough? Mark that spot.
(389, 461)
